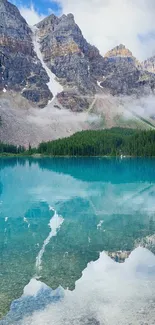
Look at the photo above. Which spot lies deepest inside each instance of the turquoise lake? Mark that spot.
(56, 216)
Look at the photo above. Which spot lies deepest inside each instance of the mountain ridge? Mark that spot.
(20, 69)
(52, 67)
(77, 66)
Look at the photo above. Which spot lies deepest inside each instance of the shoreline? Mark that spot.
(7, 155)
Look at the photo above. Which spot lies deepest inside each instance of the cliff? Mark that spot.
(20, 69)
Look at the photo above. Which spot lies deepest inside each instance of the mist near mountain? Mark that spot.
(108, 17)
(54, 83)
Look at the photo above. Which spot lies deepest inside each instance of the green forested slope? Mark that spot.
(111, 142)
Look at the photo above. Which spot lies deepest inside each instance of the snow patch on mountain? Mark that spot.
(53, 85)
(99, 84)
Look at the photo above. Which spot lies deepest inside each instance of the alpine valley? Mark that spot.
(53, 83)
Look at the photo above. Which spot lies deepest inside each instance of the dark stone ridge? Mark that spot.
(20, 69)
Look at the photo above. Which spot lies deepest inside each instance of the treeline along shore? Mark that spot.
(109, 142)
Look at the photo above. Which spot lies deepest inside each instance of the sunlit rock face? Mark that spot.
(20, 69)
(124, 74)
(119, 50)
(123, 52)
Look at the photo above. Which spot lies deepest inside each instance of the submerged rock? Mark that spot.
(119, 256)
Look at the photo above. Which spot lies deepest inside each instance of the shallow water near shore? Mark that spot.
(58, 215)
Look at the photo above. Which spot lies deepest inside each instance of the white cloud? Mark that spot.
(31, 15)
(107, 23)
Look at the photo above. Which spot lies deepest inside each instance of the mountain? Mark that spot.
(55, 60)
(53, 67)
(124, 75)
(20, 69)
(71, 58)
(80, 67)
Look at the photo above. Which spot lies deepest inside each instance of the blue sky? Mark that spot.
(41, 6)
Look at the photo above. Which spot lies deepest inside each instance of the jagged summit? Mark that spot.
(119, 50)
(71, 58)
(62, 26)
(50, 20)
(53, 60)
(58, 48)
(20, 68)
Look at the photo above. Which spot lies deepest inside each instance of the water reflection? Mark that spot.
(106, 204)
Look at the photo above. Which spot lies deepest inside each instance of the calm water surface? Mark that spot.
(57, 215)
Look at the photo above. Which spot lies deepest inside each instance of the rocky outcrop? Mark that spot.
(119, 256)
(73, 100)
(122, 52)
(20, 69)
(124, 75)
(147, 242)
(119, 50)
(149, 64)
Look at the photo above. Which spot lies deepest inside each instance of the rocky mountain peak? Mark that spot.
(48, 22)
(20, 69)
(69, 17)
(31, 61)
(71, 58)
(119, 50)
(53, 59)
(59, 27)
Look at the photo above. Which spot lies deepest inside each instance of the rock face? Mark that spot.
(74, 61)
(83, 71)
(149, 64)
(20, 69)
(124, 75)
(119, 50)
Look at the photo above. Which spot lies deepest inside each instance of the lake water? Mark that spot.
(58, 215)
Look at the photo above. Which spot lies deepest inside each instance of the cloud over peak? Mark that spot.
(107, 23)
(31, 15)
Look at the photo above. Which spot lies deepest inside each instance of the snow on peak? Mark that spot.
(53, 85)
(99, 84)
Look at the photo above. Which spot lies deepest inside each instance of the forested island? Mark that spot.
(109, 142)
